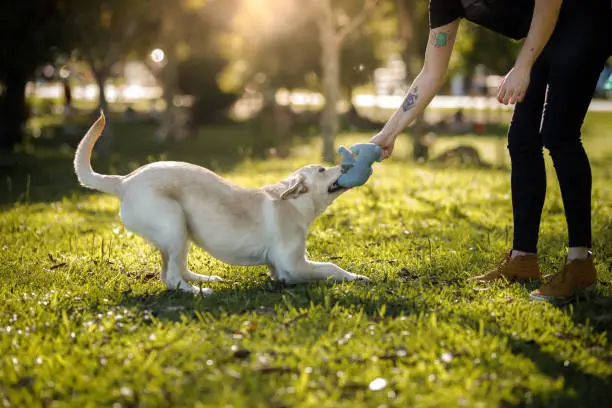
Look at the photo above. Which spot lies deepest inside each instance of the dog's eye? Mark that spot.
(321, 170)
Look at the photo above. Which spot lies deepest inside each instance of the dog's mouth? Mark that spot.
(335, 187)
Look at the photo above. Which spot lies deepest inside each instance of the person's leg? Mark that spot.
(528, 181)
(578, 53)
(576, 64)
(528, 174)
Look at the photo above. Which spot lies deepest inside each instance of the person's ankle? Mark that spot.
(577, 253)
(515, 253)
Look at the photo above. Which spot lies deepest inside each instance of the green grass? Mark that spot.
(86, 322)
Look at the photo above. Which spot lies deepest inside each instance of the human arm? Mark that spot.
(423, 88)
(515, 84)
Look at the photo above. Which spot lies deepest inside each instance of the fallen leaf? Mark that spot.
(295, 319)
(405, 274)
(272, 370)
(24, 382)
(391, 261)
(564, 336)
(149, 276)
(242, 354)
(59, 265)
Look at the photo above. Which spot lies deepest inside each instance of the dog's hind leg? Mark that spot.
(166, 230)
(196, 277)
(177, 265)
(164, 268)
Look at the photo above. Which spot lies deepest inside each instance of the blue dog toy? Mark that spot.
(357, 163)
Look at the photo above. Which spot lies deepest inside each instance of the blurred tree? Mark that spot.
(29, 30)
(189, 34)
(477, 45)
(278, 50)
(270, 49)
(171, 31)
(474, 45)
(335, 21)
(107, 31)
(413, 20)
(358, 59)
(271, 46)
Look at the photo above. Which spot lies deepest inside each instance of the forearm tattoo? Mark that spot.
(439, 39)
(411, 99)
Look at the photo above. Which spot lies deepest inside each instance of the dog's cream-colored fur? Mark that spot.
(171, 204)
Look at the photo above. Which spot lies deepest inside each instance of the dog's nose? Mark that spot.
(345, 168)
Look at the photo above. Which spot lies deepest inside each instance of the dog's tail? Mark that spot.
(82, 162)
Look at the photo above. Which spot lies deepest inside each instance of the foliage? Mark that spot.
(197, 76)
(285, 46)
(189, 35)
(413, 30)
(86, 321)
(30, 31)
(477, 45)
(281, 46)
(109, 29)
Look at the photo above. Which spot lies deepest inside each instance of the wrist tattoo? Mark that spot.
(439, 39)
(411, 99)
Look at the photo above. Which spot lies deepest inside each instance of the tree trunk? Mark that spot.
(104, 145)
(14, 110)
(406, 33)
(169, 75)
(406, 18)
(330, 62)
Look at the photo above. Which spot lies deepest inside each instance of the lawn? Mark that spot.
(85, 320)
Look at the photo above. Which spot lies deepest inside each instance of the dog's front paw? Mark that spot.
(187, 288)
(361, 278)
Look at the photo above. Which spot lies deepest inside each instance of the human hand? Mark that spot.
(514, 86)
(386, 142)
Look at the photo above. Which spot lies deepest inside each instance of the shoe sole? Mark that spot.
(504, 278)
(583, 292)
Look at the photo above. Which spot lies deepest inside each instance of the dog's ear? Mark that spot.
(296, 187)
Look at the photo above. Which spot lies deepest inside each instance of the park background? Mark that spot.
(253, 89)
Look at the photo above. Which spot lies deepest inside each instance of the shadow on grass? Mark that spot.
(256, 294)
(581, 389)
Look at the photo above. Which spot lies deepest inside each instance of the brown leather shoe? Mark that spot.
(577, 277)
(519, 269)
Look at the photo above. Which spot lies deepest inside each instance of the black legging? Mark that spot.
(563, 81)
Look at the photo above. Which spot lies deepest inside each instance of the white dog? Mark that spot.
(171, 204)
